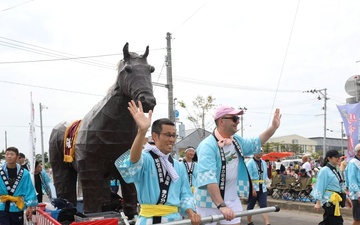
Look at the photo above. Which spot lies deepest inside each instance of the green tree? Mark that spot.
(2, 154)
(201, 106)
(274, 147)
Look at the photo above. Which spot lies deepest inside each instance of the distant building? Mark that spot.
(331, 144)
(192, 138)
(306, 145)
(312, 144)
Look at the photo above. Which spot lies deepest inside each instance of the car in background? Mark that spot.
(291, 162)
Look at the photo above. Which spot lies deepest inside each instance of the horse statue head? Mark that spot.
(134, 78)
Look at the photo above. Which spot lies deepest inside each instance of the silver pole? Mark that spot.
(215, 218)
(42, 138)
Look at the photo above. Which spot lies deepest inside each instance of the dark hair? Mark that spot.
(37, 163)
(326, 160)
(157, 125)
(21, 155)
(13, 149)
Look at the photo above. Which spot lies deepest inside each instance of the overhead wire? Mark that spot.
(58, 55)
(15, 6)
(284, 60)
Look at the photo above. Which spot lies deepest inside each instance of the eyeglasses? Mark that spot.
(234, 118)
(169, 135)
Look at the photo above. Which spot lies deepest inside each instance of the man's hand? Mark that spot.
(317, 206)
(194, 217)
(254, 194)
(138, 114)
(29, 212)
(228, 213)
(276, 119)
(349, 203)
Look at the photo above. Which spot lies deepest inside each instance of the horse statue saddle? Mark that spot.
(69, 141)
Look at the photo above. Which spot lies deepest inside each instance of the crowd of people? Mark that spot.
(335, 182)
(221, 178)
(212, 184)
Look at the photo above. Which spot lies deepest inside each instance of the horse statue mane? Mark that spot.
(106, 132)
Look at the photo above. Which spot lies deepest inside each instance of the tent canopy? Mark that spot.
(273, 156)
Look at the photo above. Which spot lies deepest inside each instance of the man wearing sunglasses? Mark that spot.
(222, 176)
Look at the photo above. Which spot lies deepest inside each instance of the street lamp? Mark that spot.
(323, 94)
(41, 107)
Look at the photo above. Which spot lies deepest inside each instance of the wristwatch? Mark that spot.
(221, 205)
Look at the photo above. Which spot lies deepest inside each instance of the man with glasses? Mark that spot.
(222, 176)
(161, 182)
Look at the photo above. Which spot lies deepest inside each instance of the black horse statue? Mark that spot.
(106, 132)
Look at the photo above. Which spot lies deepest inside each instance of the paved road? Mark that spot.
(292, 217)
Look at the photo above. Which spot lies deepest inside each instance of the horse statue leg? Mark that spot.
(95, 186)
(64, 175)
(130, 199)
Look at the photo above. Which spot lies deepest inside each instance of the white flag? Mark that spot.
(32, 138)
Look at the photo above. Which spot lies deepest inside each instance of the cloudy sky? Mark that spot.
(256, 54)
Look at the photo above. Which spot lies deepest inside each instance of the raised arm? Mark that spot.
(143, 124)
(266, 135)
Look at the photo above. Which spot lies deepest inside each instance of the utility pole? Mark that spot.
(5, 140)
(342, 137)
(169, 79)
(322, 92)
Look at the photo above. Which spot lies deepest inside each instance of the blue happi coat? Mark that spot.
(144, 175)
(352, 173)
(25, 189)
(209, 167)
(254, 174)
(326, 184)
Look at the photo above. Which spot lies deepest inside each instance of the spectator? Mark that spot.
(17, 192)
(222, 176)
(352, 172)
(190, 165)
(269, 168)
(256, 167)
(42, 181)
(278, 166)
(329, 190)
(280, 169)
(306, 165)
(294, 174)
(296, 167)
(114, 185)
(162, 198)
(288, 171)
(22, 161)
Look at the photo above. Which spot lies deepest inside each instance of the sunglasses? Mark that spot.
(234, 118)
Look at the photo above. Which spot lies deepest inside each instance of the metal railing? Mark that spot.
(216, 218)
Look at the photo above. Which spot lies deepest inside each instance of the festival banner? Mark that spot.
(350, 114)
(32, 139)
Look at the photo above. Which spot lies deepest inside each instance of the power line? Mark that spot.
(58, 55)
(12, 7)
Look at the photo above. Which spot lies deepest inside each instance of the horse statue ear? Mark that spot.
(146, 52)
(126, 51)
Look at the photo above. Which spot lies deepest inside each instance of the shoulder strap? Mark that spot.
(222, 171)
(11, 190)
(337, 174)
(189, 170)
(164, 183)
